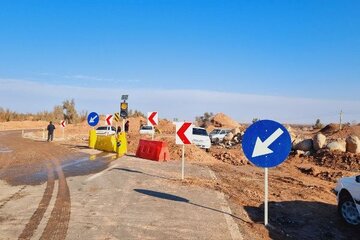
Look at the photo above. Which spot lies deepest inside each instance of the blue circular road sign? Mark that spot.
(266, 143)
(93, 119)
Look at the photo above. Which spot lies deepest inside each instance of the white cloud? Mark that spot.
(27, 96)
(98, 79)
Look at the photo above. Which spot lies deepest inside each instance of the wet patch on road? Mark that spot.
(37, 174)
(5, 150)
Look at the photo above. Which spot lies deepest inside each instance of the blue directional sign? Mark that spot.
(266, 143)
(93, 119)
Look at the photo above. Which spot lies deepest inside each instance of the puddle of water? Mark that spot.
(37, 173)
(5, 150)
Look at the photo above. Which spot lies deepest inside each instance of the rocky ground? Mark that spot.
(302, 203)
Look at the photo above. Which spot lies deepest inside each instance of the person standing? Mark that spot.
(127, 126)
(50, 129)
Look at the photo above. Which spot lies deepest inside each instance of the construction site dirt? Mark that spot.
(302, 203)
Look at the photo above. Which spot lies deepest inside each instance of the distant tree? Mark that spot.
(70, 114)
(136, 113)
(58, 112)
(83, 116)
(255, 120)
(318, 124)
(205, 120)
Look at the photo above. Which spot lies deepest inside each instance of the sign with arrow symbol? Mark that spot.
(153, 118)
(108, 119)
(93, 119)
(266, 143)
(184, 133)
(63, 123)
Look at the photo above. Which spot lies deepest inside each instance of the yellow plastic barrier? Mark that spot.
(112, 143)
(92, 138)
(122, 144)
(106, 143)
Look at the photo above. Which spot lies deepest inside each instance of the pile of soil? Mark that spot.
(230, 158)
(166, 126)
(331, 176)
(220, 120)
(333, 131)
(336, 160)
(192, 152)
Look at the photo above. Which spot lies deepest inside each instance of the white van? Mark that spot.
(106, 130)
(201, 138)
(147, 130)
(217, 135)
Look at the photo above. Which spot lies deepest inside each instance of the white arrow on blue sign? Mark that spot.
(266, 143)
(93, 119)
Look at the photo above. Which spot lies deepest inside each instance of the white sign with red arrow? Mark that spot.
(109, 119)
(63, 123)
(152, 118)
(184, 132)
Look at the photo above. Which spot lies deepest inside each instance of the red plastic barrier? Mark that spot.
(153, 150)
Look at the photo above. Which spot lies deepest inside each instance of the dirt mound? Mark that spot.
(330, 129)
(337, 160)
(230, 158)
(220, 120)
(331, 176)
(166, 126)
(333, 131)
(192, 153)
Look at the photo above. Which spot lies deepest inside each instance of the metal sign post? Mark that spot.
(266, 143)
(183, 136)
(183, 162)
(152, 120)
(266, 202)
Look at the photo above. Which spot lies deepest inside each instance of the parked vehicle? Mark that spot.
(217, 135)
(201, 138)
(348, 197)
(147, 129)
(106, 130)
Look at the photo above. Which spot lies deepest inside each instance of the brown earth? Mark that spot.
(333, 131)
(220, 120)
(302, 204)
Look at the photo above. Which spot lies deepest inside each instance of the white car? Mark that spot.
(106, 130)
(348, 197)
(217, 135)
(201, 138)
(147, 129)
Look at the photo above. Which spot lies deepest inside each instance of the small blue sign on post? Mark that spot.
(266, 143)
(93, 119)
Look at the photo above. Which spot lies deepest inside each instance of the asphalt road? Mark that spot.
(98, 197)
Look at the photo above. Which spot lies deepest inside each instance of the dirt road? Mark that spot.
(51, 192)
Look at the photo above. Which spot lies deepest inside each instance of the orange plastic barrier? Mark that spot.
(153, 150)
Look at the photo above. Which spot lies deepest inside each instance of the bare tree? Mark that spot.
(70, 114)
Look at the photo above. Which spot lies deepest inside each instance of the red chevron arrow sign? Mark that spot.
(108, 119)
(152, 118)
(62, 123)
(184, 132)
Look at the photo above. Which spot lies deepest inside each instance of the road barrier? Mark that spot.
(92, 138)
(113, 143)
(153, 150)
(106, 143)
(121, 144)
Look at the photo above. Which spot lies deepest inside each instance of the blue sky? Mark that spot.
(306, 52)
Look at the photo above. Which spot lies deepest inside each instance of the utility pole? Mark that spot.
(341, 113)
